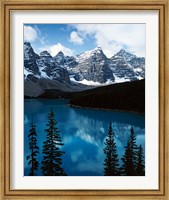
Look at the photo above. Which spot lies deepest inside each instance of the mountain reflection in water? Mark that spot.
(83, 132)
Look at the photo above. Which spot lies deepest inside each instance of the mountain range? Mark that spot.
(75, 73)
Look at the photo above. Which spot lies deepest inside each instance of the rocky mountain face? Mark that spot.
(46, 72)
(42, 66)
(92, 66)
(126, 66)
(31, 68)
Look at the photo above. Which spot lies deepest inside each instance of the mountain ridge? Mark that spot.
(91, 66)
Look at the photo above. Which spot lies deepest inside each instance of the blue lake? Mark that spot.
(83, 132)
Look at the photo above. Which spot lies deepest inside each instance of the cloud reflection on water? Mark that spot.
(83, 132)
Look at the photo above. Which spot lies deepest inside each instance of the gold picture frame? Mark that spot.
(7, 6)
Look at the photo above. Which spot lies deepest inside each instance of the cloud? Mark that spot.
(41, 38)
(54, 49)
(75, 38)
(59, 47)
(92, 165)
(75, 155)
(140, 140)
(33, 34)
(30, 34)
(112, 37)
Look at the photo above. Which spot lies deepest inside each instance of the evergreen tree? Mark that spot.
(140, 169)
(52, 161)
(32, 161)
(111, 161)
(130, 156)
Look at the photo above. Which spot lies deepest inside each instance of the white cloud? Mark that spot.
(112, 37)
(75, 38)
(41, 38)
(33, 34)
(59, 47)
(30, 34)
(54, 49)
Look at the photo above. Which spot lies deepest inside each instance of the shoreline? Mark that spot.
(83, 107)
(105, 109)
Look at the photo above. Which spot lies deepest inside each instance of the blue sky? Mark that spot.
(73, 39)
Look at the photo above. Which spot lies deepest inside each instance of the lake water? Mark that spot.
(83, 132)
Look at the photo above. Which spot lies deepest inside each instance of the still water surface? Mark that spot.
(83, 132)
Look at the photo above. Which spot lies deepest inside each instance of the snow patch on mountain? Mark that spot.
(120, 80)
(91, 83)
(26, 73)
(91, 68)
(85, 82)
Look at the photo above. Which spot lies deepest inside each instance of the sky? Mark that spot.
(74, 39)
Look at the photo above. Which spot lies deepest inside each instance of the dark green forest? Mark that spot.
(129, 96)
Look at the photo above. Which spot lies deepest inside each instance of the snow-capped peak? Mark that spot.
(45, 53)
(97, 49)
(27, 44)
(122, 51)
(124, 54)
(90, 53)
(60, 53)
(29, 52)
(92, 66)
(60, 58)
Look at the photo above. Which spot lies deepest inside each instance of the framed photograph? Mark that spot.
(84, 99)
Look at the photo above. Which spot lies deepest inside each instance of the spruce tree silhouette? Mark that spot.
(140, 167)
(52, 159)
(32, 161)
(111, 161)
(130, 156)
